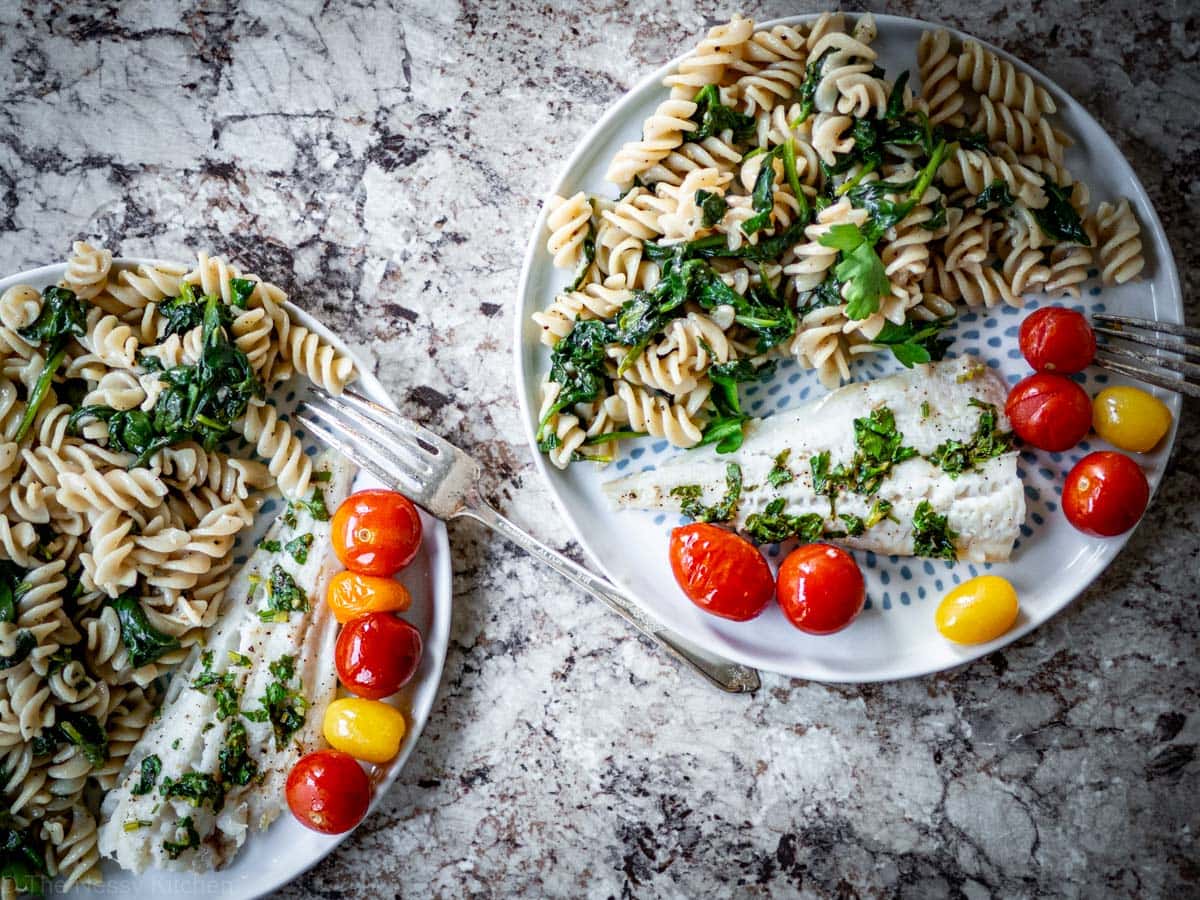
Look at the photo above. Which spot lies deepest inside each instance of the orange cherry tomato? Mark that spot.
(1056, 339)
(351, 595)
(376, 532)
(821, 589)
(1105, 494)
(721, 573)
(1049, 411)
(328, 791)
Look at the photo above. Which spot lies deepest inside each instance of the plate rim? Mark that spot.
(436, 643)
(526, 382)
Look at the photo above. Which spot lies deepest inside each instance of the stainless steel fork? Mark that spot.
(444, 481)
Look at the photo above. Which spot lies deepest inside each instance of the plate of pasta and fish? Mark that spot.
(788, 294)
(166, 548)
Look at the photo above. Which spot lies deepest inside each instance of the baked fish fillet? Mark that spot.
(194, 728)
(984, 504)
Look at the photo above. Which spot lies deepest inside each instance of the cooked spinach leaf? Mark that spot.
(143, 642)
(712, 117)
(1058, 219)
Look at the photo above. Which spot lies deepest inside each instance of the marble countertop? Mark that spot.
(386, 165)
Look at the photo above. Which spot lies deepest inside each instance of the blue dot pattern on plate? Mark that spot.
(897, 582)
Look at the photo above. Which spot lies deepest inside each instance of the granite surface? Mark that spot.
(386, 163)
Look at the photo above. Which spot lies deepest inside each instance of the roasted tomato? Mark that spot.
(369, 730)
(1130, 418)
(1051, 412)
(1055, 339)
(328, 791)
(377, 654)
(376, 532)
(351, 595)
(721, 573)
(1105, 494)
(821, 589)
(978, 610)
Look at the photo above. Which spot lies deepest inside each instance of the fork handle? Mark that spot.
(728, 676)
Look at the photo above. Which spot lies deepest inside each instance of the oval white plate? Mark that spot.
(895, 636)
(272, 858)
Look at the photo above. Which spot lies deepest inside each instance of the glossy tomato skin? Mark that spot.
(376, 532)
(721, 573)
(328, 791)
(1105, 494)
(377, 654)
(1050, 412)
(1055, 339)
(820, 589)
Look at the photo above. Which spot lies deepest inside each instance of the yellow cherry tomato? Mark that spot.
(978, 611)
(1130, 418)
(351, 595)
(369, 730)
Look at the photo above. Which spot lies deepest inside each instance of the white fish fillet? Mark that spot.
(187, 735)
(985, 506)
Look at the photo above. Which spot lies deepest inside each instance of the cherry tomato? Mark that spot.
(1050, 412)
(328, 791)
(1055, 339)
(721, 573)
(369, 730)
(377, 654)
(1105, 494)
(1130, 418)
(376, 532)
(821, 589)
(978, 610)
(351, 595)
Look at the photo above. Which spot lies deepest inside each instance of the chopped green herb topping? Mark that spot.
(988, 442)
(282, 705)
(234, 762)
(239, 659)
(271, 546)
(224, 685)
(151, 769)
(298, 548)
(191, 839)
(780, 474)
(197, 788)
(135, 824)
(773, 525)
(932, 536)
(283, 597)
(689, 498)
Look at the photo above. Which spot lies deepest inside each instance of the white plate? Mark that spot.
(894, 637)
(272, 858)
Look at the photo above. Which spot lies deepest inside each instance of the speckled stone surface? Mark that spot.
(386, 164)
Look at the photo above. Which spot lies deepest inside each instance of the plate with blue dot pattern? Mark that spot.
(895, 637)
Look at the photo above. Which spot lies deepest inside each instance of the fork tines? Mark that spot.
(396, 450)
(1172, 372)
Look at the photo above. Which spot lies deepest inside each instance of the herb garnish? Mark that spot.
(780, 474)
(932, 536)
(234, 762)
(224, 685)
(197, 788)
(191, 838)
(298, 547)
(151, 769)
(988, 442)
(283, 597)
(689, 498)
(271, 546)
(283, 706)
(773, 525)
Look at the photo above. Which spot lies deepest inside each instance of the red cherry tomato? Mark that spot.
(377, 654)
(1049, 411)
(721, 573)
(1055, 339)
(376, 532)
(1105, 494)
(328, 791)
(821, 589)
